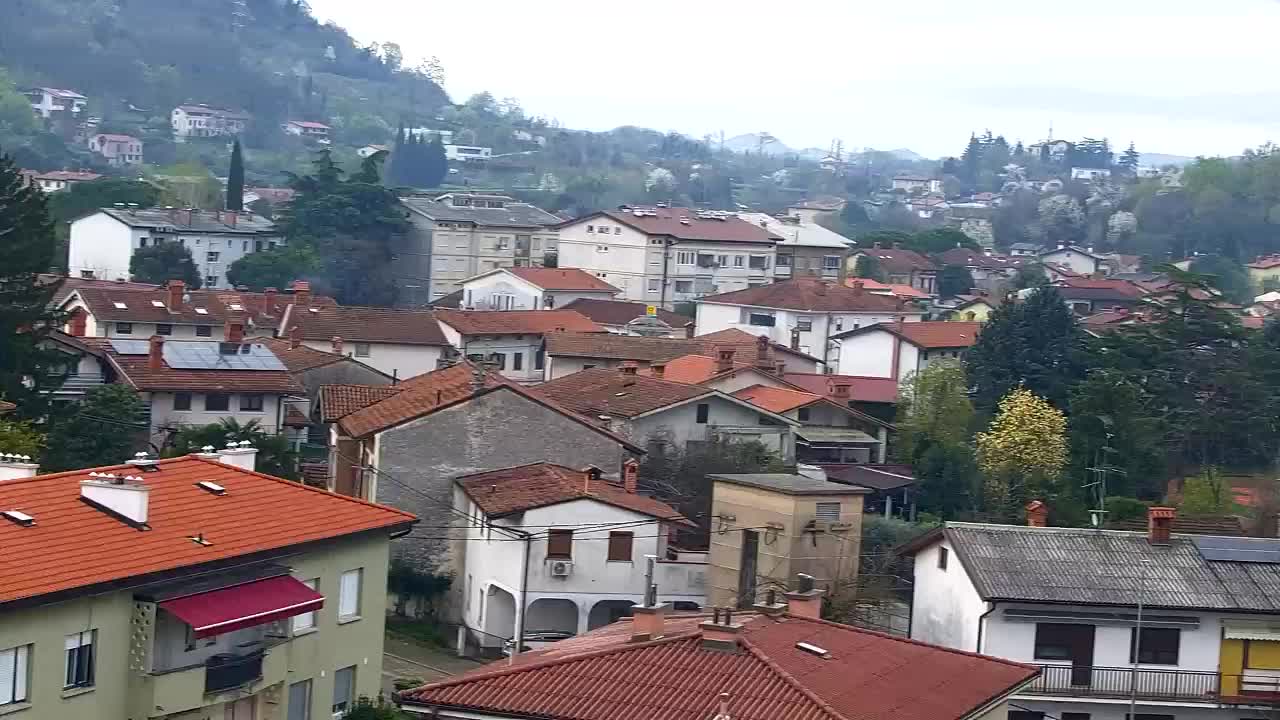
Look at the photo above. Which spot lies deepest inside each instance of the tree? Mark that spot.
(16, 116)
(276, 267)
(1225, 274)
(105, 429)
(954, 280)
(235, 179)
(1023, 452)
(28, 247)
(160, 262)
(1206, 494)
(868, 266)
(940, 240)
(934, 416)
(275, 454)
(1029, 275)
(21, 438)
(1035, 343)
(437, 164)
(1062, 220)
(366, 709)
(1129, 162)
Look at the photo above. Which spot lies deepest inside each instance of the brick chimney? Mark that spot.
(16, 467)
(806, 600)
(724, 360)
(155, 352)
(629, 367)
(856, 286)
(840, 390)
(1037, 514)
(689, 331)
(1159, 524)
(337, 345)
(647, 623)
(269, 300)
(230, 217)
(590, 474)
(233, 329)
(302, 292)
(295, 337)
(176, 290)
(658, 369)
(720, 632)
(631, 475)
(762, 353)
(795, 338)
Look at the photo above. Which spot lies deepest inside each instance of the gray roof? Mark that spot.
(791, 484)
(515, 214)
(1108, 567)
(200, 221)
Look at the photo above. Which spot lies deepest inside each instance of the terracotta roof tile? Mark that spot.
(894, 289)
(364, 324)
(135, 371)
(338, 401)
(619, 347)
(301, 358)
(1230, 525)
(686, 224)
(1266, 262)
(516, 489)
(693, 369)
(294, 418)
(604, 675)
(928, 334)
(562, 279)
(103, 300)
(73, 545)
(778, 400)
(897, 260)
(812, 295)
(621, 312)
(515, 322)
(744, 343)
(601, 391)
(861, 389)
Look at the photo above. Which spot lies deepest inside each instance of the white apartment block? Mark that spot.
(206, 121)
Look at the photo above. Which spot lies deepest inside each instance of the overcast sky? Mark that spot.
(1186, 77)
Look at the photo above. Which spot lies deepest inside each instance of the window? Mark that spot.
(653, 285)
(804, 324)
(80, 659)
(344, 686)
(362, 349)
(306, 620)
(182, 401)
(722, 260)
(655, 260)
(204, 331)
(704, 413)
(164, 329)
(591, 228)
(499, 360)
(1056, 641)
(86, 274)
(620, 546)
(1074, 716)
(539, 359)
(211, 256)
(124, 328)
(217, 402)
(803, 415)
(517, 361)
(761, 319)
(1159, 646)
(210, 281)
(349, 594)
(759, 262)
(738, 260)
(943, 556)
(142, 243)
(829, 262)
(251, 403)
(14, 674)
(829, 511)
(560, 544)
(684, 257)
(684, 286)
(784, 261)
(300, 701)
(1148, 716)
(839, 324)
(1025, 715)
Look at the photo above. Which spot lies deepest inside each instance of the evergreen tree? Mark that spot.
(235, 179)
(28, 247)
(954, 280)
(108, 425)
(436, 164)
(1129, 161)
(971, 160)
(162, 262)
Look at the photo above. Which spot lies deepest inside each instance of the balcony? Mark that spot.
(1192, 686)
(226, 671)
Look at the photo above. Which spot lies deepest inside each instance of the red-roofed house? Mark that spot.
(513, 340)
(189, 587)
(400, 343)
(307, 129)
(530, 288)
(780, 662)
(900, 266)
(829, 432)
(663, 255)
(585, 540)
(895, 350)
(57, 179)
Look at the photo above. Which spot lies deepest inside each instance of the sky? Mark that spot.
(1184, 77)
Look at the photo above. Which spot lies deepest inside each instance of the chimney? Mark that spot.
(857, 286)
(176, 289)
(658, 369)
(295, 337)
(477, 378)
(230, 217)
(762, 352)
(239, 454)
(208, 452)
(1159, 524)
(16, 467)
(806, 600)
(631, 475)
(337, 345)
(233, 329)
(155, 352)
(629, 367)
(795, 338)
(779, 368)
(302, 292)
(647, 622)
(770, 606)
(875, 246)
(724, 360)
(841, 390)
(269, 300)
(590, 474)
(720, 632)
(184, 217)
(689, 330)
(722, 708)
(121, 495)
(1037, 514)
(897, 245)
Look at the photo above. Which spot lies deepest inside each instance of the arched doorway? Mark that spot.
(499, 613)
(552, 614)
(607, 611)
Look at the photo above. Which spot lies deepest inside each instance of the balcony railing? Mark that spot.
(1150, 684)
(223, 672)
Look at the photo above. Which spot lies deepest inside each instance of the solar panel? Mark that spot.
(130, 347)
(220, 356)
(1237, 549)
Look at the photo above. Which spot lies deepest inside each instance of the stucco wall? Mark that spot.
(401, 361)
(101, 245)
(945, 606)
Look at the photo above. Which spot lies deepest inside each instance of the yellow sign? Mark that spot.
(651, 310)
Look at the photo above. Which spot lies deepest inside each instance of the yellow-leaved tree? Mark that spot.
(1022, 453)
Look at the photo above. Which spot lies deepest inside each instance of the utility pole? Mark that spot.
(1137, 641)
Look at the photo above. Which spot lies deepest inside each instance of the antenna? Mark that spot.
(1100, 469)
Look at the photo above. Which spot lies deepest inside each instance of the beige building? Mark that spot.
(177, 589)
(766, 527)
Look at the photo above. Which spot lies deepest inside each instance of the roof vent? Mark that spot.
(157, 303)
(211, 487)
(198, 539)
(144, 462)
(124, 497)
(813, 650)
(201, 311)
(19, 518)
(120, 305)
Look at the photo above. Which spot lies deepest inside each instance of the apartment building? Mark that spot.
(807, 249)
(456, 236)
(202, 121)
(664, 255)
(102, 243)
(177, 588)
(119, 150)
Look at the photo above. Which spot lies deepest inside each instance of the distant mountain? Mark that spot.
(1160, 159)
(756, 142)
(905, 154)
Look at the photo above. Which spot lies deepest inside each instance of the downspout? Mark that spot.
(981, 623)
(826, 345)
(666, 256)
(524, 598)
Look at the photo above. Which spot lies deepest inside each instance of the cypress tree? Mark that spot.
(435, 164)
(235, 180)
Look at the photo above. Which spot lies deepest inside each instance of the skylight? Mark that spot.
(120, 306)
(236, 306)
(201, 311)
(314, 310)
(157, 303)
(19, 517)
(812, 649)
(212, 487)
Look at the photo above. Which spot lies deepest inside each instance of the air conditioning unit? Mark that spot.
(561, 568)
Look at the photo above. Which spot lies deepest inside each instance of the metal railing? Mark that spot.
(223, 672)
(1152, 684)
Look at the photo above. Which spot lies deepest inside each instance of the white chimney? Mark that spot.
(208, 452)
(242, 455)
(123, 495)
(16, 467)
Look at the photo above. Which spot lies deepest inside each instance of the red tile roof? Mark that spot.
(62, 175)
(515, 322)
(896, 289)
(694, 369)
(621, 312)
(363, 324)
(601, 391)
(562, 279)
(302, 358)
(618, 347)
(309, 124)
(135, 371)
(811, 295)
(972, 258)
(898, 261)
(744, 343)
(1265, 262)
(686, 224)
(861, 389)
(778, 400)
(66, 285)
(338, 401)
(1087, 283)
(926, 334)
(73, 545)
(604, 675)
(218, 305)
(508, 491)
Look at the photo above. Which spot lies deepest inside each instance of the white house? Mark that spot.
(512, 341)
(917, 183)
(1175, 625)
(576, 547)
(803, 313)
(103, 242)
(133, 311)
(308, 129)
(199, 120)
(1078, 260)
(1090, 174)
(530, 288)
(399, 343)
(662, 255)
(119, 150)
(896, 350)
(57, 179)
(807, 248)
(467, 153)
(47, 101)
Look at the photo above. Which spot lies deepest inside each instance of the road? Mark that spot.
(404, 658)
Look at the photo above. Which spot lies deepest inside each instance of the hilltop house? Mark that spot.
(47, 102)
(916, 183)
(316, 131)
(119, 150)
(58, 179)
(202, 121)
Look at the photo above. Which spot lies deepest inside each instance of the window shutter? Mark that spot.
(349, 594)
(829, 511)
(620, 545)
(8, 676)
(560, 543)
(20, 673)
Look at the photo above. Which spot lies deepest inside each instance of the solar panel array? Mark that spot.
(220, 356)
(1238, 549)
(130, 347)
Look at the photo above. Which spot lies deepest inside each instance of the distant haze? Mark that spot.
(1184, 77)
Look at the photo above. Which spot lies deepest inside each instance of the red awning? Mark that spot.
(241, 606)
